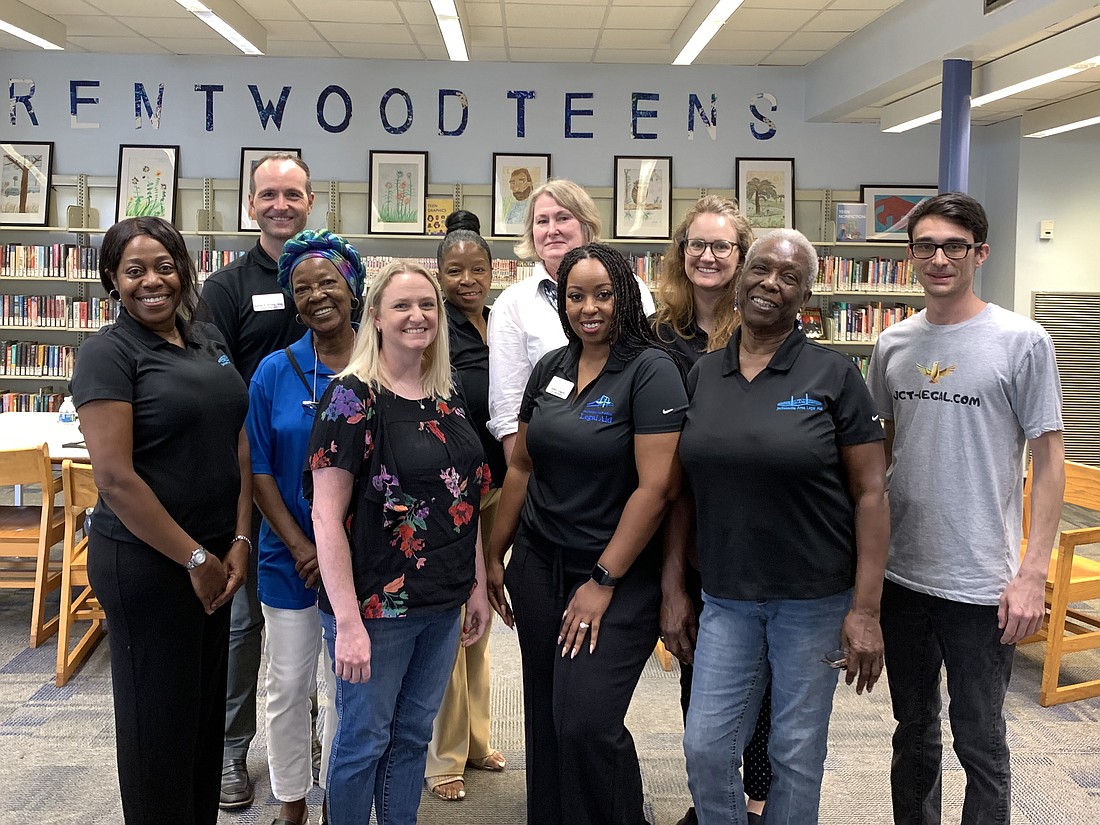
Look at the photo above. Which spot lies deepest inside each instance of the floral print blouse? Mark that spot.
(419, 472)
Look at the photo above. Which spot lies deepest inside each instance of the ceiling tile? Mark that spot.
(550, 55)
(483, 14)
(732, 39)
(272, 10)
(195, 45)
(769, 20)
(300, 48)
(487, 53)
(880, 5)
(120, 45)
(658, 56)
(639, 41)
(787, 4)
(139, 8)
(841, 21)
(349, 11)
(541, 38)
(485, 36)
(364, 33)
(533, 16)
(97, 25)
(11, 43)
(55, 7)
(288, 30)
(427, 35)
(634, 17)
(814, 41)
(380, 51)
(417, 11)
(790, 58)
(731, 57)
(171, 27)
(683, 5)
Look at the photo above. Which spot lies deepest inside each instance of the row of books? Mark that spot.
(836, 274)
(56, 312)
(862, 362)
(31, 359)
(849, 321)
(31, 401)
(64, 261)
(209, 261)
(648, 266)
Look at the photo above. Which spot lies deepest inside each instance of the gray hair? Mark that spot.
(796, 239)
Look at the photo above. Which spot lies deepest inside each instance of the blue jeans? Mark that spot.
(923, 634)
(385, 723)
(740, 644)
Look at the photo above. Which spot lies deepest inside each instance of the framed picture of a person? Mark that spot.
(515, 177)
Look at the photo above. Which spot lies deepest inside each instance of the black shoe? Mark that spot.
(689, 818)
(237, 790)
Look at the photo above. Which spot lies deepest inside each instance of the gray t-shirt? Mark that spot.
(964, 398)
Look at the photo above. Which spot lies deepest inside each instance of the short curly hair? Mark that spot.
(327, 245)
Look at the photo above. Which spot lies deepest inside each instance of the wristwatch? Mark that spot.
(198, 556)
(601, 577)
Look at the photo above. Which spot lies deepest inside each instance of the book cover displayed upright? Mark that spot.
(851, 222)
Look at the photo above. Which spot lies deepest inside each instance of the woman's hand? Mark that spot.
(861, 637)
(352, 662)
(236, 572)
(583, 614)
(209, 581)
(498, 598)
(478, 616)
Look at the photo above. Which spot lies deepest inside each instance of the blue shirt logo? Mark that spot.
(803, 403)
(224, 361)
(598, 410)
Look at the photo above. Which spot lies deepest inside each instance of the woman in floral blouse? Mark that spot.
(397, 475)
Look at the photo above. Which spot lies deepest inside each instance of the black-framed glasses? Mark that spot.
(719, 249)
(955, 250)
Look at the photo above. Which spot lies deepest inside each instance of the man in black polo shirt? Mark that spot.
(256, 318)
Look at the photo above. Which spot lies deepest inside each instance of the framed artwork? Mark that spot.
(249, 158)
(26, 172)
(515, 177)
(398, 187)
(851, 222)
(888, 209)
(765, 192)
(148, 177)
(643, 197)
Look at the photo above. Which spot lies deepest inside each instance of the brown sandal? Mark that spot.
(495, 761)
(439, 785)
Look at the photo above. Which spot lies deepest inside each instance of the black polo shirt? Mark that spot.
(687, 350)
(256, 318)
(582, 445)
(773, 515)
(470, 358)
(188, 409)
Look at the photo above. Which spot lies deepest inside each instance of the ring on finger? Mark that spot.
(584, 625)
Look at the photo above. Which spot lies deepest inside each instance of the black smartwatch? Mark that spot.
(601, 577)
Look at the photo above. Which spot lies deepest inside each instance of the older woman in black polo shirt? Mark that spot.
(162, 411)
(591, 475)
(781, 451)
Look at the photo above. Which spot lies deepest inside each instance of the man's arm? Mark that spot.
(1023, 603)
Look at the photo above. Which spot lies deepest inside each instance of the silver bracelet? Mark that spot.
(245, 539)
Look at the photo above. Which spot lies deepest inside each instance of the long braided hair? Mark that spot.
(629, 331)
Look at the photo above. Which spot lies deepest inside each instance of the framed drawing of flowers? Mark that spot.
(148, 177)
(25, 172)
(398, 187)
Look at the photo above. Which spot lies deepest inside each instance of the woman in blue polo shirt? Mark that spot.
(589, 480)
(323, 275)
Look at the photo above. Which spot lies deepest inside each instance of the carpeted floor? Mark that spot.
(57, 746)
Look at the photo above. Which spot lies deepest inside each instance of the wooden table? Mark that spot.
(28, 429)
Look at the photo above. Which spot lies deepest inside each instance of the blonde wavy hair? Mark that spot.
(568, 195)
(366, 356)
(675, 296)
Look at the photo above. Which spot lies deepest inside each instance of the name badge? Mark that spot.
(559, 387)
(266, 303)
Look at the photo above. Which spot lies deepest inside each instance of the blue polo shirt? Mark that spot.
(278, 433)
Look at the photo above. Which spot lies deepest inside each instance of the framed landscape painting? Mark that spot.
(250, 156)
(148, 177)
(765, 192)
(398, 188)
(514, 178)
(26, 171)
(888, 209)
(643, 197)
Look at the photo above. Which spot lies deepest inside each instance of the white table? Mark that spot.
(23, 429)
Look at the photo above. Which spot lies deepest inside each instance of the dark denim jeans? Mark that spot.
(923, 634)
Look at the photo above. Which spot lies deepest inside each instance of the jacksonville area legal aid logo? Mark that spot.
(599, 410)
(803, 404)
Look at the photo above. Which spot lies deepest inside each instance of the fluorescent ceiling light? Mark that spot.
(1067, 127)
(31, 25)
(450, 26)
(1024, 85)
(706, 30)
(905, 126)
(231, 22)
(1064, 116)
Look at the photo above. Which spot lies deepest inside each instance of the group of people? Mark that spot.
(698, 472)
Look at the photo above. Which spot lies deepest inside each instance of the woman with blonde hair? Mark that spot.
(398, 472)
(524, 324)
(698, 314)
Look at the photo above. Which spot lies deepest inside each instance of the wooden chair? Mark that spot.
(27, 532)
(1071, 578)
(80, 494)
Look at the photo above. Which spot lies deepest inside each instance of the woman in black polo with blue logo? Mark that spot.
(589, 480)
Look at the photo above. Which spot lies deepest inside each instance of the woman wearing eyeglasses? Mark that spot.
(323, 275)
(698, 314)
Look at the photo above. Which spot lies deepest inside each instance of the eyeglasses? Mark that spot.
(922, 250)
(719, 249)
(310, 407)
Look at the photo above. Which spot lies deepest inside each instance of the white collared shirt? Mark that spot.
(523, 327)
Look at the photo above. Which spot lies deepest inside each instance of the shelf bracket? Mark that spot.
(456, 196)
(332, 218)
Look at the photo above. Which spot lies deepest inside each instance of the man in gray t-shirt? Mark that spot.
(962, 387)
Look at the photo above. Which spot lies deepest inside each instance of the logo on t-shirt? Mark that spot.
(804, 403)
(598, 410)
(224, 361)
(935, 372)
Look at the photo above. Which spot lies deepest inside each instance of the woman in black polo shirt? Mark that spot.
(697, 313)
(460, 736)
(591, 475)
(162, 410)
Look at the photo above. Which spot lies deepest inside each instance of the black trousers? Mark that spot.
(168, 668)
(757, 768)
(582, 766)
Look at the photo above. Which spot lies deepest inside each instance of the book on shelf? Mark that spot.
(812, 323)
(32, 359)
(839, 274)
(209, 261)
(863, 323)
(43, 401)
(58, 260)
(647, 266)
